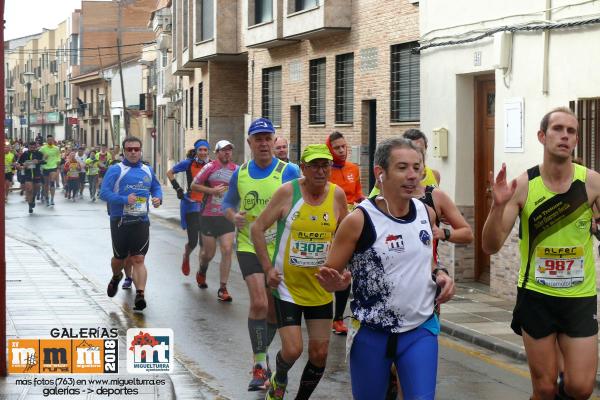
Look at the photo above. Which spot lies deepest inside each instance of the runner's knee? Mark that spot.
(137, 259)
(545, 388)
(318, 354)
(579, 389)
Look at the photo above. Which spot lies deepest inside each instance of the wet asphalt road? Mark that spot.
(211, 338)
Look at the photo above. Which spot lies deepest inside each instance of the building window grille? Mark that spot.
(317, 91)
(344, 88)
(404, 91)
(191, 107)
(271, 94)
(588, 118)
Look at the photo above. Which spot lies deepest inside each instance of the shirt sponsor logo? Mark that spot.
(395, 243)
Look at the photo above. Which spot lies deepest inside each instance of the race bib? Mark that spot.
(138, 208)
(308, 253)
(559, 267)
(29, 164)
(93, 171)
(73, 173)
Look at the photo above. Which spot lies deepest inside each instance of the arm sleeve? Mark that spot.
(181, 166)
(232, 197)
(106, 191)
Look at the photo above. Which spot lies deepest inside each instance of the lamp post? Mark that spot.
(101, 97)
(42, 131)
(66, 117)
(11, 93)
(28, 77)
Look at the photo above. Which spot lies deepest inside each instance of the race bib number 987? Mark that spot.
(559, 267)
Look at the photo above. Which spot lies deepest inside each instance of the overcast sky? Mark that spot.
(27, 17)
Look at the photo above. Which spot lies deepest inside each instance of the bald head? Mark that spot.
(281, 148)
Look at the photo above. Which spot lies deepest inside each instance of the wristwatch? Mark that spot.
(446, 234)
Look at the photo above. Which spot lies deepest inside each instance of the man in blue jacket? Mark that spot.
(127, 188)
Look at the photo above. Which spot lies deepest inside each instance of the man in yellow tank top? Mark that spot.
(556, 293)
(307, 212)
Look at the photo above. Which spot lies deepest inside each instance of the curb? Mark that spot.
(482, 340)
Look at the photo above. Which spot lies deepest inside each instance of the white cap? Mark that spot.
(222, 144)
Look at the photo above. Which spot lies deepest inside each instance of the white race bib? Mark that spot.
(559, 267)
(138, 208)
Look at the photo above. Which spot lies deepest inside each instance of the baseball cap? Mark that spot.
(315, 151)
(261, 125)
(222, 144)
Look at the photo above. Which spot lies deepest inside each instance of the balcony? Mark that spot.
(264, 29)
(318, 18)
(216, 36)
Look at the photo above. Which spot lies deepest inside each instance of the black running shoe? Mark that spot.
(113, 285)
(140, 302)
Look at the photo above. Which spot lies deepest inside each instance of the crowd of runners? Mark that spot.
(305, 236)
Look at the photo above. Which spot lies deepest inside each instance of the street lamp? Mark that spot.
(101, 97)
(11, 93)
(66, 118)
(28, 77)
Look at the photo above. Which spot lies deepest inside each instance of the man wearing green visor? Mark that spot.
(307, 211)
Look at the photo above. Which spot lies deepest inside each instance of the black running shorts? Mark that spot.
(216, 226)
(541, 315)
(130, 239)
(47, 172)
(249, 264)
(290, 314)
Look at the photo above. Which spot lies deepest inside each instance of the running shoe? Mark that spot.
(185, 266)
(201, 279)
(127, 283)
(113, 285)
(260, 380)
(223, 295)
(52, 202)
(339, 328)
(276, 390)
(140, 302)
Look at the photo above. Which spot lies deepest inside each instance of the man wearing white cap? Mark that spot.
(213, 181)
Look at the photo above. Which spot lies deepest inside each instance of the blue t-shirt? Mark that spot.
(232, 197)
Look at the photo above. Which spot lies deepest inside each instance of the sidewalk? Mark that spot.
(45, 292)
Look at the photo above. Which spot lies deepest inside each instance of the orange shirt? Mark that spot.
(348, 178)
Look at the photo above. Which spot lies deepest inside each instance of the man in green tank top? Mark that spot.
(556, 293)
(250, 190)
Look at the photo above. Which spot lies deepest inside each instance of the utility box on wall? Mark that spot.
(439, 142)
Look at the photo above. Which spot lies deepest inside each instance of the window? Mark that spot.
(204, 19)
(271, 94)
(191, 107)
(200, 104)
(304, 4)
(184, 29)
(175, 30)
(74, 49)
(344, 89)
(263, 11)
(186, 109)
(588, 118)
(404, 83)
(317, 91)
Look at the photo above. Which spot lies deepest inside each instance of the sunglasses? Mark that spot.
(132, 149)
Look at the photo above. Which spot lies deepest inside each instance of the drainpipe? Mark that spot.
(546, 39)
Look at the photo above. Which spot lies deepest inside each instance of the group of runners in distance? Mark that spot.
(305, 235)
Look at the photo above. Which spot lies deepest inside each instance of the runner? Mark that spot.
(92, 171)
(387, 243)
(307, 211)
(281, 151)
(556, 291)
(127, 188)
(30, 164)
(347, 176)
(81, 158)
(9, 170)
(105, 161)
(72, 168)
(191, 203)
(213, 181)
(51, 154)
(252, 185)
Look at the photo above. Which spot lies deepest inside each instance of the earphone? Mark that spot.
(381, 178)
